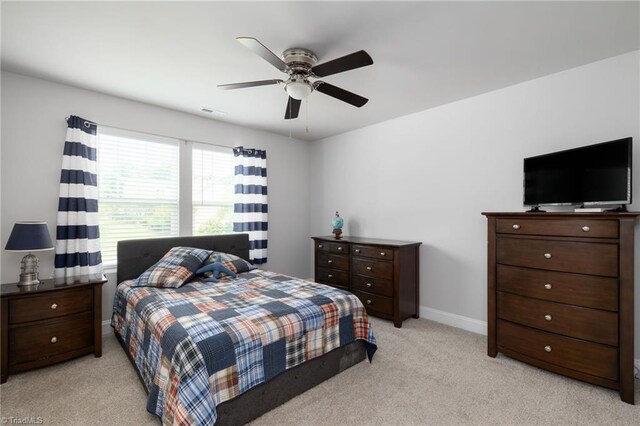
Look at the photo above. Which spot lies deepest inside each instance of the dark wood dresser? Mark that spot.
(560, 294)
(382, 273)
(54, 322)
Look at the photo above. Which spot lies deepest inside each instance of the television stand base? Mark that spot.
(535, 209)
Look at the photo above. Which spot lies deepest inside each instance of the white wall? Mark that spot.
(428, 176)
(33, 133)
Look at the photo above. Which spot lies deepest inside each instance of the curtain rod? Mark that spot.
(154, 134)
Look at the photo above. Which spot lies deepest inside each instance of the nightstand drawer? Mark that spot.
(563, 227)
(590, 358)
(567, 256)
(34, 342)
(573, 321)
(373, 302)
(373, 251)
(372, 268)
(52, 305)
(333, 261)
(373, 285)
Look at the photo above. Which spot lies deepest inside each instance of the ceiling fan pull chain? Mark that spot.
(290, 122)
(306, 107)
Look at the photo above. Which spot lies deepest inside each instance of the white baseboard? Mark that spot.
(106, 328)
(465, 323)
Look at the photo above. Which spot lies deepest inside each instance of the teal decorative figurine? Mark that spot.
(337, 223)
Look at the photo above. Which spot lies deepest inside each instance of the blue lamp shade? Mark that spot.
(29, 236)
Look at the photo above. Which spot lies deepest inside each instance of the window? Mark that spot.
(138, 180)
(212, 189)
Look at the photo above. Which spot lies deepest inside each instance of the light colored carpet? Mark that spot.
(424, 373)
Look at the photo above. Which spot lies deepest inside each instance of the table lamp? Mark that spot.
(28, 237)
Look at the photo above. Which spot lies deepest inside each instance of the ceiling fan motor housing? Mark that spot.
(299, 59)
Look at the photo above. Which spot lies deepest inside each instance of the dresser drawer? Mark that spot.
(590, 358)
(332, 276)
(562, 227)
(567, 256)
(373, 285)
(374, 252)
(576, 289)
(332, 247)
(333, 261)
(372, 268)
(34, 342)
(573, 321)
(375, 303)
(51, 305)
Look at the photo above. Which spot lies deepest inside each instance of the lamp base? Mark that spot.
(29, 275)
(29, 279)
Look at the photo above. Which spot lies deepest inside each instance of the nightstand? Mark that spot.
(58, 320)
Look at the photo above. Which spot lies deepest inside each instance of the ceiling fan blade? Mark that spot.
(293, 108)
(345, 63)
(259, 49)
(248, 84)
(340, 94)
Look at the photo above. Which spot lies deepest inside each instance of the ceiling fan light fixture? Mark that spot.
(298, 89)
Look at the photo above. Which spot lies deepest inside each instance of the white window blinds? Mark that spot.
(212, 185)
(138, 178)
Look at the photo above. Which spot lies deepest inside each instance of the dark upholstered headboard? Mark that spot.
(136, 256)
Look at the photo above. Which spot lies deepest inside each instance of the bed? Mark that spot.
(189, 382)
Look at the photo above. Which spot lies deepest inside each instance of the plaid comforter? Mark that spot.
(205, 343)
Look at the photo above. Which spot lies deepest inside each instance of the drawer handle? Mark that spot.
(547, 348)
(368, 268)
(54, 306)
(547, 255)
(339, 248)
(357, 250)
(330, 276)
(516, 226)
(368, 285)
(547, 286)
(547, 317)
(586, 229)
(382, 253)
(320, 246)
(369, 301)
(329, 261)
(54, 339)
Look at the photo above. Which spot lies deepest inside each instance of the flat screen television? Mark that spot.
(597, 174)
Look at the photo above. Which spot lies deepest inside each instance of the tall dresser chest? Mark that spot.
(382, 273)
(560, 294)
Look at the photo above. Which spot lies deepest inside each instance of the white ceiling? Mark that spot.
(425, 54)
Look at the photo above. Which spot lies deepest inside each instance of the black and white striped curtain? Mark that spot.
(77, 233)
(250, 200)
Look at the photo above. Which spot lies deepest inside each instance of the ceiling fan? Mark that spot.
(300, 65)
